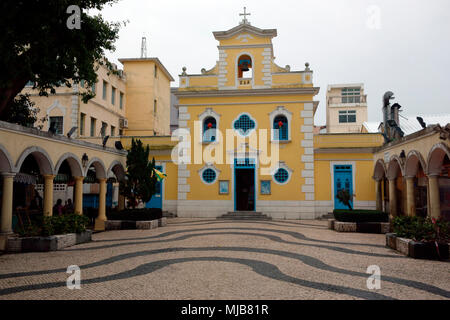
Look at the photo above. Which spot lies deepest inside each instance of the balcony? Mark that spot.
(245, 81)
(340, 100)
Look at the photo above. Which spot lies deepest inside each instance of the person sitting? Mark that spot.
(58, 208)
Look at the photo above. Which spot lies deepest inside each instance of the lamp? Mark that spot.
(84, 160)
(402, 155)
(105, 139)
(70, 133)
(118, 145)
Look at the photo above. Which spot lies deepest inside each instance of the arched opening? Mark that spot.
(439, 166)
(379, 174)
(400, 191)
(209, 129)
(91, 188)
(414, 167)
(444, 188)
(245, 70)
(28, 188)
(67, 169)
(116, 175)
(421, 191)
(394, 172)
(6, 183)
(281, 128)
(5, 161)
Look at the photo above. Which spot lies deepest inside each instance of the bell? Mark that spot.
(244, 65)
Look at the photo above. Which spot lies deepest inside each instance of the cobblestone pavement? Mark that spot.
(215, 259)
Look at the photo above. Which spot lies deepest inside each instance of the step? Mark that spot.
(244, 215)
(168, 214)
(326, 216)
(244, 218)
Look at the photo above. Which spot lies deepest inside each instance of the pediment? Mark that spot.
(244, 29)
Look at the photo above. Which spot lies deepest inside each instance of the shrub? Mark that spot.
(356, 215)
(54, 225)
(145, 214)
(422, 229)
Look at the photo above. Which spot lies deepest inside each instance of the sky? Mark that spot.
(401, 46)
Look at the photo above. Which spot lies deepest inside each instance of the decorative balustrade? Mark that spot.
(245, 81)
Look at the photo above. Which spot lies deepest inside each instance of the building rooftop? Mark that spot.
(154, 59)
(409, 124)
(346, 85)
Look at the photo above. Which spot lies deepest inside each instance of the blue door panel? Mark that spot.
(156, 200)
(343, 179)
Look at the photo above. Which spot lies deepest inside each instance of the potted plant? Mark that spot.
(430, 236)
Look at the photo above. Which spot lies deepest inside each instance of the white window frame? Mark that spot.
(209, 112)
(282, 165)
(280, 111)
(239, 131)
(212, 167)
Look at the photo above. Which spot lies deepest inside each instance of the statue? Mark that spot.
(391, 121)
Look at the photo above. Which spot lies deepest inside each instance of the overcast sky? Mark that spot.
(402, 45)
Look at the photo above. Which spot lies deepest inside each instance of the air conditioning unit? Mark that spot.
(123, 123)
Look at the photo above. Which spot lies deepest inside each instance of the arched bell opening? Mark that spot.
(245, 70)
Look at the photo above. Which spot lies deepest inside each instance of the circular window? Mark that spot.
(209, 175)
(282, 175)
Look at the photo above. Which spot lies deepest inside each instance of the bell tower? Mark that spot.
(245, 56)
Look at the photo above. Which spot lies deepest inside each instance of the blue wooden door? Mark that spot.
(156, 200)
(342, 180)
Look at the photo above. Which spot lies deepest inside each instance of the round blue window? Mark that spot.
(209, 175)
(282, 175)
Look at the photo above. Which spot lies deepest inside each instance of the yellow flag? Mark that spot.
(159, 175)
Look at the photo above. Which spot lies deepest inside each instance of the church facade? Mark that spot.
(247, 142)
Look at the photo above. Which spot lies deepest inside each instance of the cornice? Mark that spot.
(247, 92)
(346, 150)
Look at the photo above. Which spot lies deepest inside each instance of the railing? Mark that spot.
(347, 99)
(245, 81)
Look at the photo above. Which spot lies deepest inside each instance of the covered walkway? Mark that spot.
(31, 156)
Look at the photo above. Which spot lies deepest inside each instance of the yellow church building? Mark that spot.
(247, 142)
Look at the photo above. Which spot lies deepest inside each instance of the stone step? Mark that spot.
(244, 218)
(326, 216)
(167, 214)
(244, 215)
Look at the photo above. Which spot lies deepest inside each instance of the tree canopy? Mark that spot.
(37, 45)
(140, 183)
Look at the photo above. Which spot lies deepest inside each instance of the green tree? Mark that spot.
(23, 112)
(345, 197)
(140, 183)
(37, 45)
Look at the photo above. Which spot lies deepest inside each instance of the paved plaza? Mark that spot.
(216, 259)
